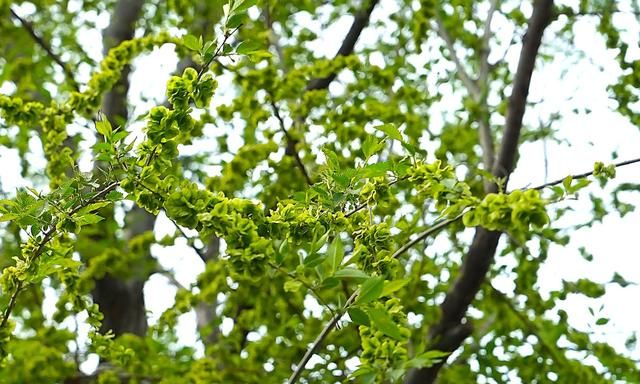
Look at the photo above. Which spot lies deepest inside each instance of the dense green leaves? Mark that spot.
(319, 207)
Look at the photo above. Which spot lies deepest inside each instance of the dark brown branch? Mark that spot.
(360, 21)
(47, 48)
(483, 247)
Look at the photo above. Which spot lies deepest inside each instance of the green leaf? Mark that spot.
(88, 218)
(359, 316)
(377, 169)
(248, 46)
(119, 136)
(426, 359)
(191, 42)
(329, 282)
(370, 290)
(391, 130)
(392, 286)
(292, 286)
(103, 126)
(8, 217)
(236, 20)
(94, 207)
(314, 259)
(114, 196)
(331, 159)
(351, 273)
(335, 253)
(244, 5)
(383, 321)
(371, 146)
(412, 149)
(602, 321)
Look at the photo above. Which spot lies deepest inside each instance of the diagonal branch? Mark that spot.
(334, 320)
(46, 47)
(477, 88)
(483, 247)
(466, 79)
(47, 236)
(291, 142)
(360, 21)
(583, 175)
(486, 37)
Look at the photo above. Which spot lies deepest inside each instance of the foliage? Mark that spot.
(316, 229)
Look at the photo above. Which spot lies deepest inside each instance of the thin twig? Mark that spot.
(334, 320)
(582, 175)
(486, 138)
(486, 37)
(189, 240)
(46, 47)
(362, 206)
(291, 142)
(323, 334)
(426, 233)
(292, 276)
(205, 66)
(469, 83)
(48, 235)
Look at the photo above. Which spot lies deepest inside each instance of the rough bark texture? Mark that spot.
(452, 329)
(122, 301)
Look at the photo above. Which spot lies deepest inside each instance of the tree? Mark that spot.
(317, 192)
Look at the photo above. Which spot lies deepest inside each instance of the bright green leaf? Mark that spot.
(351, 273)
(335, 253)
(391, 130)
(248, 46)
(191, 42)
(370, 290)
(359, 316)
(383, 321)
(393, 286)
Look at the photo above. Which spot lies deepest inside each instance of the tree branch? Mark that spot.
(582, 175)
(486, 138)
(476, 88)
(464, 76)
(483, 247)
(360, 21)
(334, 320)
(47, 48)
(291, 142)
